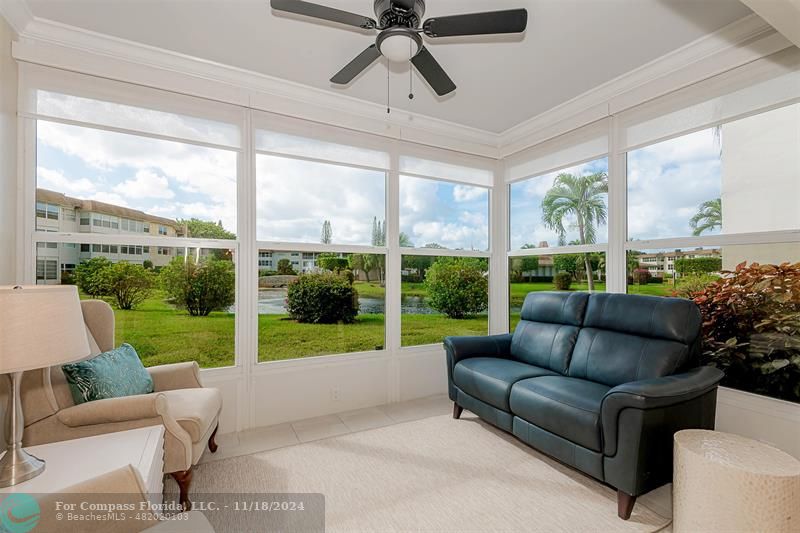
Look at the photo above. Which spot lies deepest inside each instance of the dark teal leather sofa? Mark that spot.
(600, 382)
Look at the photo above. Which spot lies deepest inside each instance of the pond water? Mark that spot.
(271, 302)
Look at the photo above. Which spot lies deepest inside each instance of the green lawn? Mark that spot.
(161, 334)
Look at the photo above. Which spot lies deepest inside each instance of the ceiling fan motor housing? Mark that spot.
(392, 13)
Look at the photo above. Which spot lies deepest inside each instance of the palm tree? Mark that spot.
(578, 199)
(708, 217)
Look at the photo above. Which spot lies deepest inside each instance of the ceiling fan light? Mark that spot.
(400, 46)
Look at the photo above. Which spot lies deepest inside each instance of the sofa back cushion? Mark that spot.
(630, 337)
(548, 329)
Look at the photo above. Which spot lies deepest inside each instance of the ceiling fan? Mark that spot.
(401, 29)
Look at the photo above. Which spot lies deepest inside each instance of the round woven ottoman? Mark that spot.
(724, 482)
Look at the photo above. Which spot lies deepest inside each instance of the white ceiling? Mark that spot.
(570, 46)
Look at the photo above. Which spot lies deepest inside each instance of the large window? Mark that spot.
(722, 197)
(328, 298)
(137, 182)
(566, 207)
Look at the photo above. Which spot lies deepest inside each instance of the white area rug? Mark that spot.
(436, 474)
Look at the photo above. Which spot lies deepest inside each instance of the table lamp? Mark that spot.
(40, 326)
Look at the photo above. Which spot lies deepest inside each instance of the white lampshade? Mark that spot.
(40, 326)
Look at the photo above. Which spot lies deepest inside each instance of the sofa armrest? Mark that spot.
(460, 348)
(112, 410)
(660, 392)
(175, 376)
(640, 418)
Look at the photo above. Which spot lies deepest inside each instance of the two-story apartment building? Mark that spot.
(663, 263)
(59, 212)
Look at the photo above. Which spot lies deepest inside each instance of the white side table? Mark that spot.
(73, 461)
(725, 482)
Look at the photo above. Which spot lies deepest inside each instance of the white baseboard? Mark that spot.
(776, 422)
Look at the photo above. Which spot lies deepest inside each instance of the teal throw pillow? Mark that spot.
(112, 374)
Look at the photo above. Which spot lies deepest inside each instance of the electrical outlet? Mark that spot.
(335, 394)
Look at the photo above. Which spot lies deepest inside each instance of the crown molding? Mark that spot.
(59, 45)
(41, 40)
(751, 36)
(17, 13)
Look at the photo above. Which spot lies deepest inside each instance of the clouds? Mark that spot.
(295, 197)
(454, 216)
(165, 178)
(668, 181)
(146, 184)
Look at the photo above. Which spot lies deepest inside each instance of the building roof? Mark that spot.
(45, 195)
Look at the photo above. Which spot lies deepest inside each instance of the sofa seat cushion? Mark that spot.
(194, 409)
(567, 407)
(490, 379)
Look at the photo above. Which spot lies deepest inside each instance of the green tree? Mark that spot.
(357, 263)
(457, 286)
(332, 262)
(579, 201)
(285, 268)
(708, 217)
(128, 283)
(200, 288)
(521, 265)
(203, 229)
(698, 265)
(327, 233)
(88, 276)
(568, 263)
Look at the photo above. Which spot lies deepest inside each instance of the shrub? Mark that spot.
(129, 284)
(562, 281)
(88, 276)
(332, 262)
(457, 286)
(265, 272)
(285, 268)
(641, 276)
(698, 265)
(322, 298)
(200, 288)
(751, 328)
(67, 278)
(690, 284)
(147, 264)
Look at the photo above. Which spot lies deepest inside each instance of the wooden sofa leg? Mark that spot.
(212, 444)
(184, 479)
(457, 409)
(625, 504)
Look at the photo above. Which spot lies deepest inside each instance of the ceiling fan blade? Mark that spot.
(323, 12)
(356, 66)
(509, 21)
(433, 72)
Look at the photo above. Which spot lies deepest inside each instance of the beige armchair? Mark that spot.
(188, 411)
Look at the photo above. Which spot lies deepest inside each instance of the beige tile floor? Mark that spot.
(290, 433)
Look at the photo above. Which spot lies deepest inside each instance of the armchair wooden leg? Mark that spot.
(184, 479)
(212, 444)
(457, 409)
(625, 504)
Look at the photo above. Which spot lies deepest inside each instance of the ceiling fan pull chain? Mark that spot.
(388, 101)
(410, 73)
